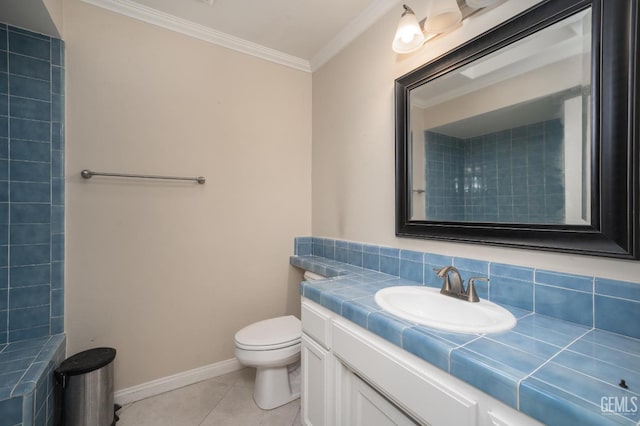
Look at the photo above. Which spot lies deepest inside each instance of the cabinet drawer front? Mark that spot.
(316, 322)
(424, 398)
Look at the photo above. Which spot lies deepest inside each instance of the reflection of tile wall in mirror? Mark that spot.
(526, 87)
(515, 175)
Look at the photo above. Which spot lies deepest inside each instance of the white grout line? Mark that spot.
(593, 302)
(8, 311)
(461, 346)
(545, 363)
(533, 282)
(635, 354)
(615, 297)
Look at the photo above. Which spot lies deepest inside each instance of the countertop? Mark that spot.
(555, 371)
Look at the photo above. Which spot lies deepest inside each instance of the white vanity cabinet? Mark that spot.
(333, 394)
(354, 377)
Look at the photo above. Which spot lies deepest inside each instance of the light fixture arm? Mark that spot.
(443, 15)
(407, 9)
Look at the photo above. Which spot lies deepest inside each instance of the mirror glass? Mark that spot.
(506, 138)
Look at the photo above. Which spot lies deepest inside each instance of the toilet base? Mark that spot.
(276, 386)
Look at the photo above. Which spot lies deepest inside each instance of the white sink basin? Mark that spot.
(426, 306)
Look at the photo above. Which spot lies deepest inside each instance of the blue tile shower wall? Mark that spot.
(605, 304)
(512, 175)
(31, 185)
(444, 177)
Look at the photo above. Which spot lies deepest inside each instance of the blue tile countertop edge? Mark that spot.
(28, 360)
(26, 379)
(555, 370)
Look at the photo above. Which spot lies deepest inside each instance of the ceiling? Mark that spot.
(296, 27)
(302, 34)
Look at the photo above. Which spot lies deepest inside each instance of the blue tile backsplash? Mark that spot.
(31, 224)
(576, 336)
(569, 297)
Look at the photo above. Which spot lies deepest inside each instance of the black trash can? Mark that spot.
(86, 383)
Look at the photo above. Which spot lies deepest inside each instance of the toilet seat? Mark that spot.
(266, 347)
(270, 334)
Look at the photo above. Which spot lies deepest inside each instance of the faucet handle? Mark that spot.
(471, 294)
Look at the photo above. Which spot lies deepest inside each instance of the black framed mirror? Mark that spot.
(527, 136)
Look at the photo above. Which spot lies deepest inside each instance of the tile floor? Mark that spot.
(224, 400)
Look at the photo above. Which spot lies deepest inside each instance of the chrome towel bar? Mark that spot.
(88, 174)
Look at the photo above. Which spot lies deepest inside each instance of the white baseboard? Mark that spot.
(175, 381)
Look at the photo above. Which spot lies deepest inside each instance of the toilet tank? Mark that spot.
(311, 276)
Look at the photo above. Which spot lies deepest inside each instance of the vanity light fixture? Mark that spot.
(442, 16)
(409, 36)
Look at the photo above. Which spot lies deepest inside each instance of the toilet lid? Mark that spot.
(273, 333)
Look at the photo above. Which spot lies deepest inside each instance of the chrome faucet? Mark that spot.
(454, 286)
(448, 287)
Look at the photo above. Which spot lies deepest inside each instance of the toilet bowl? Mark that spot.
(272, 346)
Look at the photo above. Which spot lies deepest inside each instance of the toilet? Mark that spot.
(272, 346)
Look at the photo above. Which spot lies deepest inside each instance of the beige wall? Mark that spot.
(40, 16)
(353, 149)
(167, 272)
(535, 84)
(54, 7)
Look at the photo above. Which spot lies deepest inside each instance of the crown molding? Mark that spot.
(353, 30)
(164, 20)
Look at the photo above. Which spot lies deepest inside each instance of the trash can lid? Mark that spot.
(86, 361)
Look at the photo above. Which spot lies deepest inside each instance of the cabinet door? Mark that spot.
(368, 408)
(317, 396)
